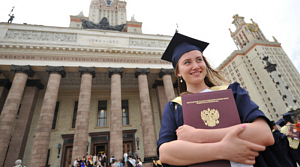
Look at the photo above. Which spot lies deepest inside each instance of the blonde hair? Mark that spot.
(212, 78)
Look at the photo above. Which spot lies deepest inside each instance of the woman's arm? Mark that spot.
(257, 132)
(231, 147)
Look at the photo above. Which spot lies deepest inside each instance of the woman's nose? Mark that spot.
(195, 65)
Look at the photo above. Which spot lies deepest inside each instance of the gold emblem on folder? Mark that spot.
(210, 117)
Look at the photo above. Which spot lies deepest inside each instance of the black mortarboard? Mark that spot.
(181, 44)
(272, 123)
(287, 117)
(280, 122)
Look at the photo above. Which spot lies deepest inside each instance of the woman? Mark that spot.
(103, 161)
(83, 161)
(140, 164)
(235, 143)
(90, 162)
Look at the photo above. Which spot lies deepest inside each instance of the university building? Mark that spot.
(66, 92)
(263, 69)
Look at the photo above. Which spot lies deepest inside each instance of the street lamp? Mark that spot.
(59, 147)
(137, 142)
(87, 148)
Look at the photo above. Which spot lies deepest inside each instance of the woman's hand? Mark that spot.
(186, 133)
(235, 149)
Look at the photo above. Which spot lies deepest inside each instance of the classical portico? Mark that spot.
(98, 95)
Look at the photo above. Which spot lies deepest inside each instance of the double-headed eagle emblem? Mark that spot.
(210, 117)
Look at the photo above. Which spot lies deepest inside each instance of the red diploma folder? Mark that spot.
(294, 132)
(210, 110)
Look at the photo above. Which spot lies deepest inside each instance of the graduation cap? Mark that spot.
(181, 44)
(272, 123)
(287, 117)
(280, 122)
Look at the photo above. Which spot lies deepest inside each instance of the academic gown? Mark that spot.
(247, 109)
(277, 155)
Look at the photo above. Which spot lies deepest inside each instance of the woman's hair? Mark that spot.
(212, 78)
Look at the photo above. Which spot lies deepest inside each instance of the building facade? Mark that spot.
(113, 10)
(68, 92)
(263, 69)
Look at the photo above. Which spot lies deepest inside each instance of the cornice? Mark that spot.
(66, 49)
(245, 50)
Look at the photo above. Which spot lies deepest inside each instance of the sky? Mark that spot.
(207, 20)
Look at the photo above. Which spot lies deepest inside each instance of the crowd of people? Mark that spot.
(101, 160)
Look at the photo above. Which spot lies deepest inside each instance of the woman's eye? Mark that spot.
(199, 59)
(187, 62)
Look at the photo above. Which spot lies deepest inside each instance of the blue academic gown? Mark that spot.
(247, 109)
(277, 155)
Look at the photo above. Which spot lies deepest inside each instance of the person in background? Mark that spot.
(135, 155)
(103, 160)
(116, 163)
(98, 164)
(75, 164)
(121, 164)
(140, 164)
(125, 158)
(95, 159)
(18, 163)
(90, 161)
(277, 155)
(293, 141)
(111, 160)
(131, 161)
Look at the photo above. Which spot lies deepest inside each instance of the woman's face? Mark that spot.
(192, 68)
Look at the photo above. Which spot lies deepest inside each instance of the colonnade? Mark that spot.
(14, 133)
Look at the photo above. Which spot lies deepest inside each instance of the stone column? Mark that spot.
(5, 85)
(147, 119)
(161, 95)
(84, 105)
(116, 136)
(11, 106)
(19, 138)
(166, 75)
(42, 136)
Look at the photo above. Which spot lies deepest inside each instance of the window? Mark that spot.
(75, 114)
(102, 113)
(48, 154)
(125, 112)
(55, 115)
(18, 110)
